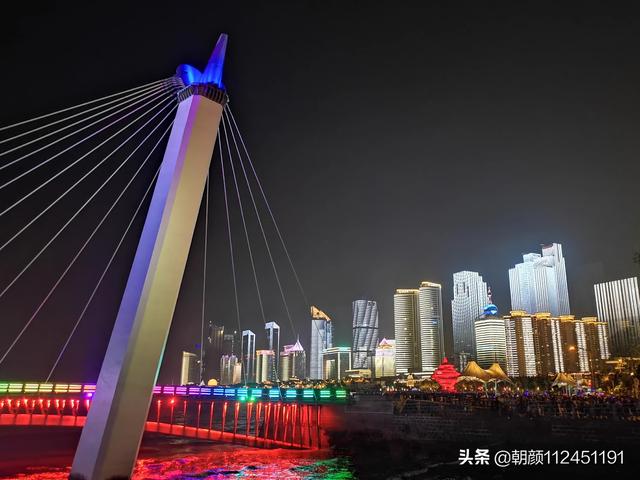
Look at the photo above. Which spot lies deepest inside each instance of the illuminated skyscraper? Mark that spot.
(337, 360)
(418, 328)
(470, 296)
(249, 356)
(189, 369)
(539, 283)
(407, 330)
(230, 370)
(385, 359)
(265, 369)
(321, 339)
(618, 304)
(365, 332)
(431, 326)
(293, 362)
(273, 340)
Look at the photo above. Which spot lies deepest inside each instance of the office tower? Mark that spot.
(273, 341)
(230, 343)
(385, 359)
(539, 283)
(431, 326)
(618, 304)
(365, 332)
(407, 330)
(470, 296)
(293, 362)
(336, 361)
(249, 356)
(321, 339)
(491, 342)
(189, 369)
(265, 369)
(230, 370)
(213, 346)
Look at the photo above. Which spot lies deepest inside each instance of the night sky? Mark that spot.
(396, 144)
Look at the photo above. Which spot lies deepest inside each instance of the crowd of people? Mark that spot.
(522, 404)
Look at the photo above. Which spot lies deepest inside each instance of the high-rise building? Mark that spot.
(321, 339)
(189, 369)
(249, 356)
(365, 332)
(585, 343)
(230, 343)
(336, 360)
(418, 328)
(491, 342)
(407, 330)
(543, 345)
(521, 355)
(293, 362)
(618, 304)
(273, 341)
(265, 360)
(539, 283)
(385, 359)
(431, 326)
(213, 350)
(470, 296)
(230, 370)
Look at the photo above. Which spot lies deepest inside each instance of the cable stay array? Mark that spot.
(71, 169)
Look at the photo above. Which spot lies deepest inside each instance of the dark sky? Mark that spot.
(396, 144)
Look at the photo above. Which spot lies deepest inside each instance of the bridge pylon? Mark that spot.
(111, 437)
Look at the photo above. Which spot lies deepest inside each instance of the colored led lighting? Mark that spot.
(341, 393)
(274, 393)
(75, 388)
(325, 393)
(307, 394)
(181, 390)
(31, 387)
(291, 393)
(205, 391)
(256, 392)
(218, 392)
(46, 387)
(229, 392)
(194, 390)
(61, 387)
(89, 387)
(4, 387)
(169, 390)
(15, 388)
(157, 389)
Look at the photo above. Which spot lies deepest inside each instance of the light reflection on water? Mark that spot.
(226, 462)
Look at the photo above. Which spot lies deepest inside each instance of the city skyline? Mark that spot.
(467, 151)
(320, 238)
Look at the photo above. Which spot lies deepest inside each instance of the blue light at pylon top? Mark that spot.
(212, 74)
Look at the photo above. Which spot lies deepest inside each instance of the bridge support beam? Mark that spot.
(111, 437)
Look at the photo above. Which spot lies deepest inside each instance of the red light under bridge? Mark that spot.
(252, 416)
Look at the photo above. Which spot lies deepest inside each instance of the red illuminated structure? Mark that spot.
(446, 376)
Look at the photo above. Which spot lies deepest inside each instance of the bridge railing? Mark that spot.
(274, 394)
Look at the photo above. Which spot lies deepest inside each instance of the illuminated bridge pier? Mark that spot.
(259, 417)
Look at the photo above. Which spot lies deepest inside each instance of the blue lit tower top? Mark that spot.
(490, 309)
(208, 82)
